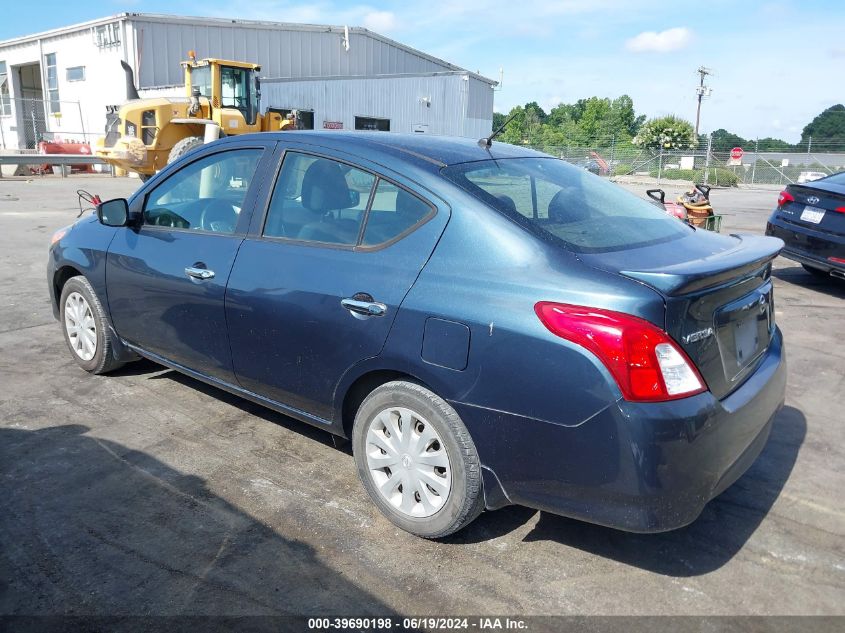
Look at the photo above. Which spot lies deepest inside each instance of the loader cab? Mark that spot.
(231, 91)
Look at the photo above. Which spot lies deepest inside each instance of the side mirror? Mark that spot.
(354, 198)
(113, 212)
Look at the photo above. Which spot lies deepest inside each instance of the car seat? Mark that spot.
(324, 189)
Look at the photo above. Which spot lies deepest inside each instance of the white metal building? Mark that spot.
(57, 84)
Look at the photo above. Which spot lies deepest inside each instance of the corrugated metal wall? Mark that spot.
(293, 52)
(437, 103)
(480, 99)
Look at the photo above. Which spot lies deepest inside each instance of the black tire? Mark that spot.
(816, 272)
(103, 359)
(183, 146)
(465, 500)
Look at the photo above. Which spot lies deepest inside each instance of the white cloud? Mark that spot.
(662, 42)
(380, 21)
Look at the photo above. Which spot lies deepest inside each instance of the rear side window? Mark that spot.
(318, 200)
(548, 195)
(393, 212)
(321, 200)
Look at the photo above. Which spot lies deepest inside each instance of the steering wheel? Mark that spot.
(218, 216)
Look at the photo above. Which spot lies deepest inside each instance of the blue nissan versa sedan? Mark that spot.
(487, 324)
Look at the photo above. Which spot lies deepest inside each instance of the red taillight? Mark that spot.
(785, 197)
(646, 363)
(840, 209)
(836, 260)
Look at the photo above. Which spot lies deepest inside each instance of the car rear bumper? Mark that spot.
(632, 466)
(808, 246)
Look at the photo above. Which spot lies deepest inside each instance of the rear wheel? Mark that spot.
(183, 146)
(416, 460)
(86, 329)
(818, 272)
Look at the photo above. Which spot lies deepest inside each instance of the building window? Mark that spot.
(52, 82)
(106, 35)
(371, 123)
(5, 102)
(75, 73)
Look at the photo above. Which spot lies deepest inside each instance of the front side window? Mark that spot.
(547, 195)
(52, 83)
(5, 101)
(318, 200)
(206, 195)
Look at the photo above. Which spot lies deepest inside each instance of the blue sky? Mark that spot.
(777, 63)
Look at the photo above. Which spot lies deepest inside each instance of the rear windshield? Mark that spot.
(838, 179)
(548, 195)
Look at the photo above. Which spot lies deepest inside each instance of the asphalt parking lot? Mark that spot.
(150, 493)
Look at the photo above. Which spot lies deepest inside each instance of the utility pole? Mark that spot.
(702, 91)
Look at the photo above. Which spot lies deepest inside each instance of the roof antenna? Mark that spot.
(488, 141)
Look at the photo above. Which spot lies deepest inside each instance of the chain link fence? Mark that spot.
(613, 158)
(31, 121)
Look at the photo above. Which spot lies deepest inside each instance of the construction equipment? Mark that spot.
(222, 98)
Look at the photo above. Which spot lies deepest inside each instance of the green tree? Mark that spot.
(515, 132)
(595, 121)
(770, 144)
(827, 128)
(537, 110)
(724, 141)
(668, 132)
(624, 121)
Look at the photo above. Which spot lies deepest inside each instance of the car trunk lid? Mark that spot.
(718, 295)
(820, 206)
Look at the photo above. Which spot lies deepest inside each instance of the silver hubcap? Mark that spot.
(408, 462)
(80, 326)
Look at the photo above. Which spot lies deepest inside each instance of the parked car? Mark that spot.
(810, 176)
(810, 219)
(487, 325)
(591, 165)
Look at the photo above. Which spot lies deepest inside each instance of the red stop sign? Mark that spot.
(736, 153)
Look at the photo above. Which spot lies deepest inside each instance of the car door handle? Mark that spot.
(365, 308)
(199, 273)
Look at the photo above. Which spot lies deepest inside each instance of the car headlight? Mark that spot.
(60, 234)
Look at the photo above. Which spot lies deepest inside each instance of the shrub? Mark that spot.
(668, 132)
(718, 176)
(715, 176)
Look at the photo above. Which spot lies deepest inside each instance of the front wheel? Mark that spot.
(417, 460)
(182, 147)
(86, 329)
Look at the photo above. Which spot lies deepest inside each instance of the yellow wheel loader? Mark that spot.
(222, 98)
